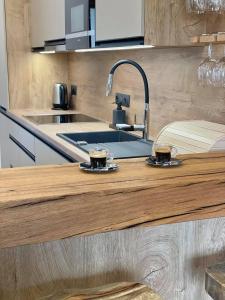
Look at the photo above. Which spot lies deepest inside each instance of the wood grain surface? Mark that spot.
(215, 281)
(120, 291)
(167, 23)
(175, 93)
(50, 203)
(31, 75)
(171, 259)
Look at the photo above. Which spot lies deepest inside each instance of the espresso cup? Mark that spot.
(164, 152)
(99, 158)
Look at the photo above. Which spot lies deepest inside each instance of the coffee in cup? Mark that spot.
(164, 153)
(98, 158)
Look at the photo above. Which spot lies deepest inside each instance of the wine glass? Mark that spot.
(205, 69)
(213, 6)
(223, 6)
(218, 73)
(202, 6)
(196, 6)
(222, 70)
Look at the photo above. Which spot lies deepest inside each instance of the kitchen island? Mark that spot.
(60, 203)
(55, 202)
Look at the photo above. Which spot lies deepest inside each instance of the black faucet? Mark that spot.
(146, 87)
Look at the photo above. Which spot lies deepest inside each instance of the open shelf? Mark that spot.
(214, 38)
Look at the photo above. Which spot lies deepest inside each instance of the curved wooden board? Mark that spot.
(215, 281)
(119, 291)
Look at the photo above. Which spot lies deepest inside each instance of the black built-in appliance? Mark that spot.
(80, 24)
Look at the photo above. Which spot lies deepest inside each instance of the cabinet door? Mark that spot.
(17, 145)
(47, 156)
(4, 96)
(119, 19)
(47, 21)
(18, 156)
(20, 146)
(4, 141)
(24, 137)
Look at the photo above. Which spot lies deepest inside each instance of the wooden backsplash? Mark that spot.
(174, 90)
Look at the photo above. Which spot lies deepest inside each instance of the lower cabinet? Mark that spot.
(44, 155)
(18, 155)
(21, 151)
(4, 141)
(20, 148)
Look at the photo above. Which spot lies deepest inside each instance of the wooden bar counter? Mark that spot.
(63, 229)
(56, 202)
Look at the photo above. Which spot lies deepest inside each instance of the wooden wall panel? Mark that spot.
(167, 23)
(172, 72)
(174, 89)
(31, 76)
(215, 23)
(171, 259)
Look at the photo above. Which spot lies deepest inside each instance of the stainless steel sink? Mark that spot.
(120, 143)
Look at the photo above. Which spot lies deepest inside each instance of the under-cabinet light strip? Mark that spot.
(103, 49)
(115, 48)
(47, 52)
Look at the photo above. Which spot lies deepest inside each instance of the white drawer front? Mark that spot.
(47, 156)
(18, 157)
(23, 136)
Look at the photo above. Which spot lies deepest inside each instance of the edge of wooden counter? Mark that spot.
(56, 202)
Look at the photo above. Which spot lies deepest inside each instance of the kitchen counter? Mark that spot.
(48, 132)
(55, 202)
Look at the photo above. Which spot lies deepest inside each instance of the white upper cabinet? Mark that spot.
(47, 21)
(4, 94)
(119, 19)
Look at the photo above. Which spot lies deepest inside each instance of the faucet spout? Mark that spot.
(109, 85)
(146, 88)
